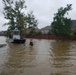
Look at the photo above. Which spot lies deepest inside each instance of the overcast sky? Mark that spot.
(43, 10)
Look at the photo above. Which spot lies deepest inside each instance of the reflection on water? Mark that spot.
(60, 51)
(62, 60)
(46, 57)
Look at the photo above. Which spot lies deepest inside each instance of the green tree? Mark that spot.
(61, 25)
(31, 23)
(13, 12)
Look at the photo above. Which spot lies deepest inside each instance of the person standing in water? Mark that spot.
(31, 42)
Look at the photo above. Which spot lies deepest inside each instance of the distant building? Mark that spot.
(46, 29)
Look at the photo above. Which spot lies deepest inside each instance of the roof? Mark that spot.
(46, 28)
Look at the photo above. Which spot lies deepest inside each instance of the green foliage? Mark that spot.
(13, 12)
(32, 23)
(61, 25)
(39, 32)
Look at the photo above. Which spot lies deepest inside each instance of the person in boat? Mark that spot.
(31, 42)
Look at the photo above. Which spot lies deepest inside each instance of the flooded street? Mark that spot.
(46, 57)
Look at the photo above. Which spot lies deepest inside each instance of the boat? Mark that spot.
(16, 38)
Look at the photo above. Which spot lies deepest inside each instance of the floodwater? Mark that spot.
(46, 57)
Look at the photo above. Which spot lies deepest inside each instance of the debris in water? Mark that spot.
(2, 45)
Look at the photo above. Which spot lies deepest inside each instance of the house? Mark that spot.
(46, 29)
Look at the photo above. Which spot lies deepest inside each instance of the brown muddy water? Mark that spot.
(46, 57)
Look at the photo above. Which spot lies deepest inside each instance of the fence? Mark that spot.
(52, 37)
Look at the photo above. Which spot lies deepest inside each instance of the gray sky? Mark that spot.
(43, 10)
